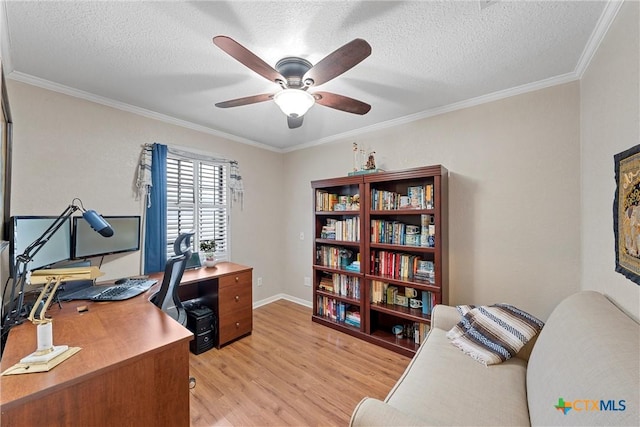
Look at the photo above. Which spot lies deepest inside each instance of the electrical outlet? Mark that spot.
(259, 281)
(307, 281)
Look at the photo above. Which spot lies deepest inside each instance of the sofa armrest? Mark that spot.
(444, 317)
(373, 412)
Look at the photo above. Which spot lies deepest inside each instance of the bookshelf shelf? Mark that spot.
(337, 213)
(324, 268)
(413, 314)
(352, 330)
(401, 345)
(413, 283)
(399, 230)
(338, 297)
(386, 212)
(404, 248)
(338, 242)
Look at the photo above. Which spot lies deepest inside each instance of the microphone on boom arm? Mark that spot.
(97, 222)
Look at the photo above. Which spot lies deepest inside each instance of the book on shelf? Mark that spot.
(347, 230)
(392, 293)
(354, 266)
(335, 256)
(398, 265)
(337, 311)
(425, 270)
(416, 197)
(326, 201)
(352, 318)
(428, 302)
(346, 286)
(378, 291)
(427, 230)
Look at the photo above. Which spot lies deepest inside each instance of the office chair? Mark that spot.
(167, 297)
(182, 245)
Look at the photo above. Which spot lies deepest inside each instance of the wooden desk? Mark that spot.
(133, 369)
(227, 290)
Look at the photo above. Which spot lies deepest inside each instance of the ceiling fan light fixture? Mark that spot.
(294, 102)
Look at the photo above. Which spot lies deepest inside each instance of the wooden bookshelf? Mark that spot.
(401, 220)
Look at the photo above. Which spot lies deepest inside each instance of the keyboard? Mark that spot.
(129, 289)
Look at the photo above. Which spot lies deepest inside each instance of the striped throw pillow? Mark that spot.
(493, 334)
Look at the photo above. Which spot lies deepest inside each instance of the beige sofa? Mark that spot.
(588, 354)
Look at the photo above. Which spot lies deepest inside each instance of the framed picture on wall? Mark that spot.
(626, 213)
(5, 161)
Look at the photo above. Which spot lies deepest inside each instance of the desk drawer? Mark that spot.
(243, 278)
(234, 326)
(235, 313)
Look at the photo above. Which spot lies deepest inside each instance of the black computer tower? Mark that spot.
(201, 321)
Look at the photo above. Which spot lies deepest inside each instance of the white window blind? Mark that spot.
(197, 199)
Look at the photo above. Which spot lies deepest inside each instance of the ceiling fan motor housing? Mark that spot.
(293, 69)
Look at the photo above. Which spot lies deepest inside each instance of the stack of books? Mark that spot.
(425, 271)
(427, 231)
(352, 318)
(329, 230)
(354, 266)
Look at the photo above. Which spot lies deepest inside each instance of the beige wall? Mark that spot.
(65, 147)
(514, 195)
(610, 123)
(531, 183)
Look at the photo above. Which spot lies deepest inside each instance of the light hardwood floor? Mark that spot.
(289, 371)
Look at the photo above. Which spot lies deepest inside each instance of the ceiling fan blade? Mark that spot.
(294, 122)
(336, 63)
(245, 101)
(343, 103)
(247, 58)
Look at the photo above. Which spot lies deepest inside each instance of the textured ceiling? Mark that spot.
(158, 58)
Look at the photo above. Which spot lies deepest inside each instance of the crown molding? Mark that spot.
(66, 90)
(529, 87)
(599, 32)
(491, 97)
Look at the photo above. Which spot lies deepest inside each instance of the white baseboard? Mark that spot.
(277, 297)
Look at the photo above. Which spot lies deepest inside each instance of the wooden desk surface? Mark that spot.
(111, 334)
(203, 273)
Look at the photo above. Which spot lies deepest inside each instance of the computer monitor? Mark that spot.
(87, 243)
(24, 230)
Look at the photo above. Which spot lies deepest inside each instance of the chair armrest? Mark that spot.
(444, 317)
(373, 412)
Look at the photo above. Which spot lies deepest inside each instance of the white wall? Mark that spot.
(610, 123)
(514, 194)
(65, 147)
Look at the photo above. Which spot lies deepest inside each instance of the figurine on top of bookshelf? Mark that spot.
(360, 165)
(356, 163)
(371, 162)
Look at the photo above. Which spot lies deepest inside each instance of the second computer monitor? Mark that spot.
(88, 243)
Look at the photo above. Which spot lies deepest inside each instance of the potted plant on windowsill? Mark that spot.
(208, 248)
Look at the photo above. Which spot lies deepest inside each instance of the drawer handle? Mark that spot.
(237, 324)
(237, 278)
(237, 298)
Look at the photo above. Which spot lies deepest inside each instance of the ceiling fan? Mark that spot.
(296, 75)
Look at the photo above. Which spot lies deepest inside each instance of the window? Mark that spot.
(197, 199)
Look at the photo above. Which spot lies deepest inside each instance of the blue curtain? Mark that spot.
(155, 244)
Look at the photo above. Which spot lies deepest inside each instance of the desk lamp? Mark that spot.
(51, 279)
(20, 272)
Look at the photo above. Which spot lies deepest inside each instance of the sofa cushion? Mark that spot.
(446, 387)
(588, 355)
(493, 334)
